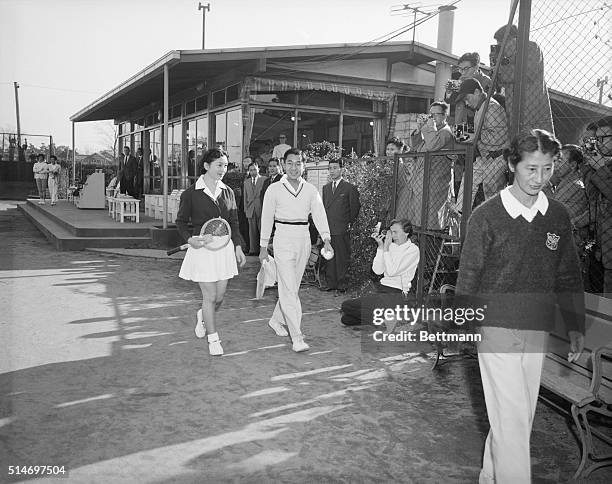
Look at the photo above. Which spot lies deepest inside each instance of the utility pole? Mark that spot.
(17, 109)
(204, 9)
(600, 84)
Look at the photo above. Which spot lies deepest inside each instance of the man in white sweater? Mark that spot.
(288, 203)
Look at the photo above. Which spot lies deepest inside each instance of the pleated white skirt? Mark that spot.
(203, 265)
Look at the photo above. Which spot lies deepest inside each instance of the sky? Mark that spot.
(66, 53)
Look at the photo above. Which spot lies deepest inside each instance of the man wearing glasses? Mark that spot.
(468, 67)
(431, 135)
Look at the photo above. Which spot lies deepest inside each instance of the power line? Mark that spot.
(52, 88)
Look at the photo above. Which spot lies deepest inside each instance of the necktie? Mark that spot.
(253, 181)
(333, 187)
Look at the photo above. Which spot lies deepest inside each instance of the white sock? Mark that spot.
(213, 337)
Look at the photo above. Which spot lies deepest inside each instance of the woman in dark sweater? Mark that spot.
(209, 198)
(518, 260)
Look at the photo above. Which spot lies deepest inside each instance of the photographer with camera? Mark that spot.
(489, 166)
(535, 108)
(468, 68)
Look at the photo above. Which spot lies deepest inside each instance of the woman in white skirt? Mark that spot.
(210, 198)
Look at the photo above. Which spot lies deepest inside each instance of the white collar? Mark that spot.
(200, 185)
(337, 182)
(285, 181)
(516, 208)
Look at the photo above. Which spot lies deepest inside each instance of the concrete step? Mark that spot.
(64, 240)
(79, 222)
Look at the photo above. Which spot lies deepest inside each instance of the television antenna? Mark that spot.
(415, 9)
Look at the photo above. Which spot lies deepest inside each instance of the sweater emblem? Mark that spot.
(552, 241)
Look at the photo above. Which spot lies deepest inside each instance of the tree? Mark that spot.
(109, 135)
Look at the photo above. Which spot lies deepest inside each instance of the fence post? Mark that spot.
(468, 182)
(521, 65)
(396, 161)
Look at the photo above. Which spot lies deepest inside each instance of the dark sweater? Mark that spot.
(518, 271)
(197, 207)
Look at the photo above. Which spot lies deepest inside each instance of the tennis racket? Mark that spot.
(215, 233)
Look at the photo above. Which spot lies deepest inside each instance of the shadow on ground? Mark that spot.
(153, 406)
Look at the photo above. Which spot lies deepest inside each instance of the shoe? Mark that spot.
(278, 328)
(200, 329)
(214, 345)
(41, 203)
(300, 345)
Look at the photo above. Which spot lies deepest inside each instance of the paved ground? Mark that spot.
(100, 372)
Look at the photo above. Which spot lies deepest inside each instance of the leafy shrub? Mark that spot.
(373, 178)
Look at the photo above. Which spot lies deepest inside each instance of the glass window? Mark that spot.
(152, 119)
(319, 98)
(123, 142)
(154, 161)
(218, 98)
(284, 97)
(201, 103)
(314, 127)
(232, 93)
(190, 107)
(354, 103)
(234, 136)
(357, 135)
(124, 128)
(268, 125)
(139, 124)
(220, 130)
(197, 144)
(174, 156)
(406, 104)
(175, 112)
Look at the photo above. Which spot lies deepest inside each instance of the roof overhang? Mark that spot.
(191, 67)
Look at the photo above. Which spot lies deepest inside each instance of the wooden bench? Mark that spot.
(126, 208)
(586, 385)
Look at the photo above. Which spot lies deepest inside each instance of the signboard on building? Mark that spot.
(317, 173)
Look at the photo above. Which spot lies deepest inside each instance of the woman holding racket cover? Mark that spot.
(214, 246)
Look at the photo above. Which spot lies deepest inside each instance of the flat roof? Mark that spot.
(187, 67)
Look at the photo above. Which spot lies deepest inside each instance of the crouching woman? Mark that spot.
(397, 259)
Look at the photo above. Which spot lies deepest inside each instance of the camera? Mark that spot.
(422, 118)
(495, 48)
(589, 144)
(453, 85)
(462, 132)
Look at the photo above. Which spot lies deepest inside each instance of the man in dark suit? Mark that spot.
(127, 169)
(274, 174)
(341, 201)
(252, 205)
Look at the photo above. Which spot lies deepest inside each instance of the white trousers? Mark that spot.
(510, 369)
(291, 256)
(53, 189)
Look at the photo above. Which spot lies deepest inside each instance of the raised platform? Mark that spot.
(70, 228)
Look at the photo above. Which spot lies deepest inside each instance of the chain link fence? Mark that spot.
(549, 70)
(574, 43)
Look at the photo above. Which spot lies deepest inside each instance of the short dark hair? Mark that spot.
(293, 151)
(275, 160)
(127, 148)
(211, 155)
(575, 154)
(471, 57)
(397, 142)
(535, 140)
(442, 104)
(340, 162)
(405, 223)
(40, 155)
(499, 34)
(53, 157)
(469, 86)
(253, 163)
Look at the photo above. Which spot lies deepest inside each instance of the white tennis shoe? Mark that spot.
(278, 328)
(300, 345)
(214, 345)
(200, 329)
